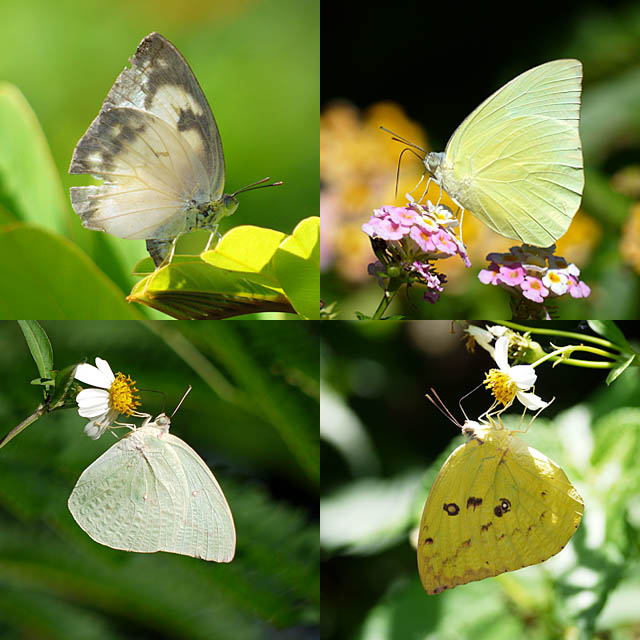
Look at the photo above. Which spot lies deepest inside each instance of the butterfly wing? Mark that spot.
(149, 172)
(516, 161)
(155, 108)
(139, 496)
(497, 505)
(208, 531)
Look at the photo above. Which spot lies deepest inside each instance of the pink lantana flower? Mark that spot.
(533, 274)
(408, 240)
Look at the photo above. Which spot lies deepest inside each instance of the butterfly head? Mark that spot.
(229, 205)
(162, 422)
(432, 161)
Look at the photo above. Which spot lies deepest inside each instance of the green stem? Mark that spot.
(565, 334)
(554, 355)
(387, 297)
(40, 411)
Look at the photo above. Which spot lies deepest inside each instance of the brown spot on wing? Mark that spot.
(473, 502)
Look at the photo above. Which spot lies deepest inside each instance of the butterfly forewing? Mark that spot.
(209, 531)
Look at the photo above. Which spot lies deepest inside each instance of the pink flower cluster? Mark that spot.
(412, 236)
(535, 273)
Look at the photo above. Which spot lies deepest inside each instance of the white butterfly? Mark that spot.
(152, 492)
(156, 145)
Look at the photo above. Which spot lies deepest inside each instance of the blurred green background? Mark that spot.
(420, 71)
(252, 416)
(257, 63)
(383, 444)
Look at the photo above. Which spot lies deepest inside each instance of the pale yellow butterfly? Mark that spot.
(516, 161)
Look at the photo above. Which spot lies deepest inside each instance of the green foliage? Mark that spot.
(29, 184)
(39, 345)
(252, 416)
(73, 288)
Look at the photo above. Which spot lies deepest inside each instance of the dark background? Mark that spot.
(436, 59)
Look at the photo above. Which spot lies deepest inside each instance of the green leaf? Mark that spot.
(39, 346)
(609, 330)
(251, 270)
(66, 388)
(614, 373)
(297, 264)
(193, 290)
(51, 278)
(247, 249)
(29, 182)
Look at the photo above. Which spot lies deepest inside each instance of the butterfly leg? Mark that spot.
(161, 251)
(212, 235)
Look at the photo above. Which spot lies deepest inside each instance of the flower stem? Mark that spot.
(557, 357)
(387, 297)
(39, 412)
(565, 334)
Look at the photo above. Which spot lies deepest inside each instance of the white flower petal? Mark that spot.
(482, 337)
(524, 375)
(500, 353)
(94, 429)
(104, 367)
(92, 402)
(100, 376)
(531, 400)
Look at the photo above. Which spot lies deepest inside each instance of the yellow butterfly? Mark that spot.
(497, 505)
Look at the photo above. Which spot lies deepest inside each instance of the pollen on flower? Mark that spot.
(501, 385)
(122, 395)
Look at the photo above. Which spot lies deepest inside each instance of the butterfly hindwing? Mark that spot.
(497, 505)
(516, 161)
(156, 146)
(151, 492)
(147, 168)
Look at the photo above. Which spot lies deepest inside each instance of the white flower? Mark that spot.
(507, 383)
(556, 280)
(484, 337)
(102, 406)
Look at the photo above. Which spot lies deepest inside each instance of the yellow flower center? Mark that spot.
(122, 395)
(501, 385)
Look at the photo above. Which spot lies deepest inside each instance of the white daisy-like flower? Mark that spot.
(507, 383)
(115, 396)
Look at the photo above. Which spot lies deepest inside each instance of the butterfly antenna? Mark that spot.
(466, 395)
(398, 138)
(257, 185)
(442, 407)
(186, 393)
